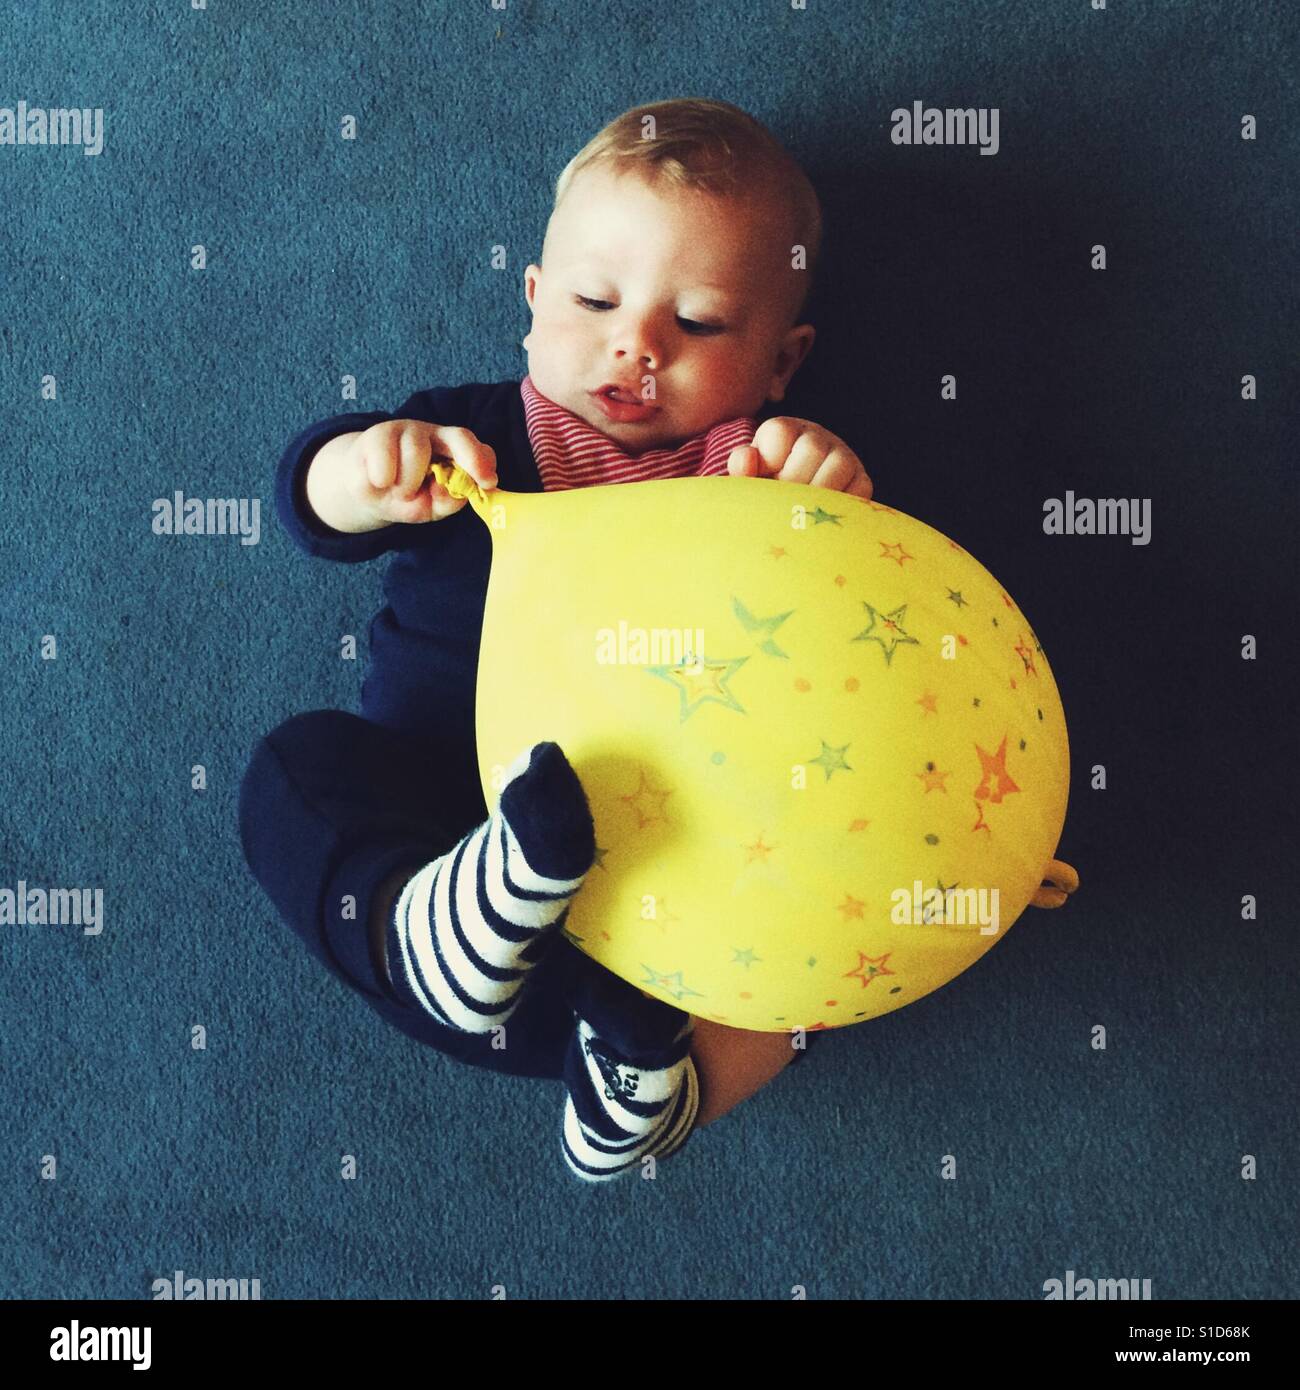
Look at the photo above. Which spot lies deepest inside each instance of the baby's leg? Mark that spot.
(338, 814)
(466, 928)
(632, 1086)
(642, 1079)
(733, 1064)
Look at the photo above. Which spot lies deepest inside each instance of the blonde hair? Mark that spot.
(712, 146)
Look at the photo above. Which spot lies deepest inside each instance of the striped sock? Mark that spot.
(632, 1084)
(468, 927)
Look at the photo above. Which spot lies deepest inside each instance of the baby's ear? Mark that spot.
(795, 346)
(532, 274)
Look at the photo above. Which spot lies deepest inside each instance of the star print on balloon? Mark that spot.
(831, 760)
(698, 680)
(646, 803)
(887, 629)
(673, 985)
(767, 626)
(995, 783)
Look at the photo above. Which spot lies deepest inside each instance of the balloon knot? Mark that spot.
(458, 482)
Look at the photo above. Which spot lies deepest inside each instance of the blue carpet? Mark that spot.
(372, 258)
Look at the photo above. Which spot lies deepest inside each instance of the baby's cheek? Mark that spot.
(723, 370)
(557, 348)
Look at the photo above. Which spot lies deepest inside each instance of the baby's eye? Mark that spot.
(690, 325)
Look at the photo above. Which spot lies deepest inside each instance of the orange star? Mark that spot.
(642, 800)
(758, 850)
(933, 778)
(995, 766)
(927, 702)
(850, 907)
(898, 546)
(875, 966)
(776, 551)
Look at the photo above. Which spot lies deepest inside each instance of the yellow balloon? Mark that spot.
(824, 752)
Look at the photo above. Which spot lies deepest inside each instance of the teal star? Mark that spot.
(955, 595)
(819, 517)
(745, 957)
(665, 982)
(765, 625)
(831, 759)
(893, 635)
(698, 684)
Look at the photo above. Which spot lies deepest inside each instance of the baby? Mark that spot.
(676, 264)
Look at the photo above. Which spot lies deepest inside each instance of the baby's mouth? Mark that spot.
(623, 406)
(616, 393)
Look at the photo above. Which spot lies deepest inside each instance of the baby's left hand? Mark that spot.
(797, 451)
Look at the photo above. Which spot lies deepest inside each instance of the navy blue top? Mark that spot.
(424, 644)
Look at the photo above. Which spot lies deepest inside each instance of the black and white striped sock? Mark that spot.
(467, 928)
(632, 1085)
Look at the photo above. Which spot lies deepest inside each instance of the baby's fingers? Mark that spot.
(381, 457)
(417, 448)
(442, 502)
(465, 449)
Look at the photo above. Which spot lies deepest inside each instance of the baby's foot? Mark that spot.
(468, 927)
(632, 1084)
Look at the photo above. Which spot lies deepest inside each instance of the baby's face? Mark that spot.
(689, 288)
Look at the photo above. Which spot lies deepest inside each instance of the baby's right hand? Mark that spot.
(390, 480)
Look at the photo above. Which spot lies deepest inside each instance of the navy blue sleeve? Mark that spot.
(440, 406)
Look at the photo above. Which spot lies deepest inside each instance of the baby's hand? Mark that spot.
(391, 480)
(797, 451)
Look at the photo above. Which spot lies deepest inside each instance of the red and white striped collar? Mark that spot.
(571, 453)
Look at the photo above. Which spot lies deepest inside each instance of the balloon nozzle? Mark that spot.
(1059, 881)
(458, 482)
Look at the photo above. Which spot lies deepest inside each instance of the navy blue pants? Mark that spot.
(331, 805)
